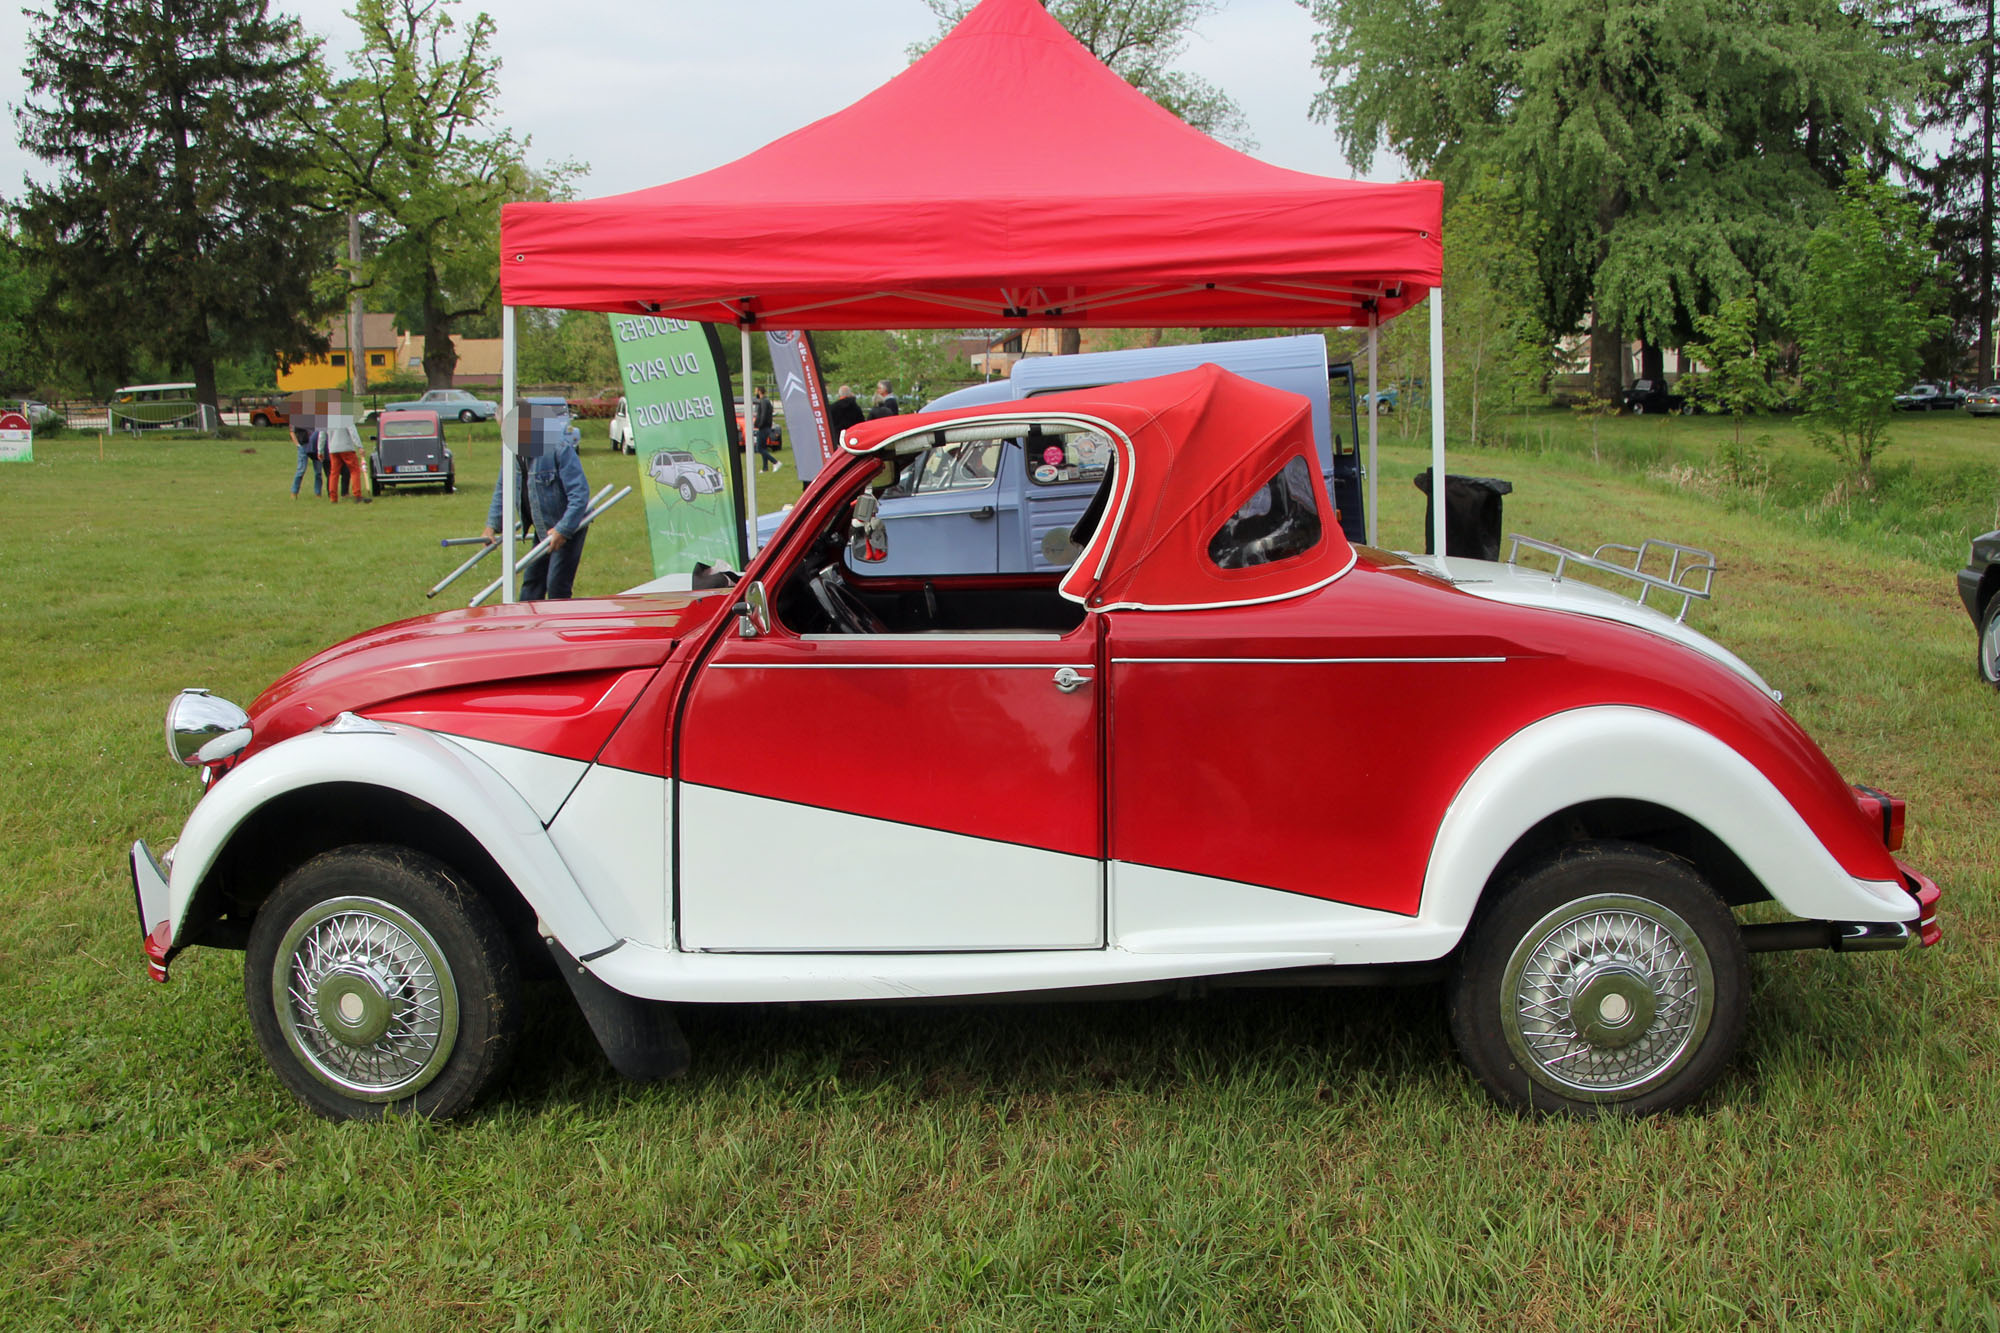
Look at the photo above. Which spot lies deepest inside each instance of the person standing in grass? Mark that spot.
(343, 456)
(767, 457)
(843, 412)
(885, 402)
(553, 496)
(308, 457)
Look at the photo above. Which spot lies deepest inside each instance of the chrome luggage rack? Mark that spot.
(1690, 570)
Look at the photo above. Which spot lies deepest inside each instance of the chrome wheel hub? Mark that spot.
(1607, 997)
(1989, 650)
(365, 998)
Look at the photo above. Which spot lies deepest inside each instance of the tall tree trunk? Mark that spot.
(1069, 342)
(1987, 373)
(440, 356)
(1652, 362)
(357, 325)
(1607, 347)
(202, 366)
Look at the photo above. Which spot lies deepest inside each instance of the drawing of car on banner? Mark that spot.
(680, 471)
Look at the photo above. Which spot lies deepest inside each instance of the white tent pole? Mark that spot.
(509, 465)
(1437, 420)
(749, 459)
(1374, 330)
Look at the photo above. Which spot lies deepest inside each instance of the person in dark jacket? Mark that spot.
(760, 433)
(843, 411)
(885, 402)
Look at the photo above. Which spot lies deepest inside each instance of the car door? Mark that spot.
(892, 792)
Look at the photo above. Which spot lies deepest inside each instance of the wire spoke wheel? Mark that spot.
(379, 982)
(1607, 997)
(366, 998)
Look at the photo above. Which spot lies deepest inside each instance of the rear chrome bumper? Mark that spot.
(149, 892)
(1856, 936)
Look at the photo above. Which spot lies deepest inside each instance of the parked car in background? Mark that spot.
(620, 431)
(1653, 396)
(40, 415)
(274, 411)
(1223, 747)
(458, 403)
(1926, 398)
(1385, 399)
(410, 451)
(1979, 589)
(1984, 402)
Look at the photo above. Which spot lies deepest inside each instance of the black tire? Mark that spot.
(1988, 659)
(467, 415)
(259, 419)
(1638, 409)
(426, 939)
(1553, 983)
(450, 480)
(374, 482)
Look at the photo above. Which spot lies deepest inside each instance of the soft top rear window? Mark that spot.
(1281, 519)
(405, 430)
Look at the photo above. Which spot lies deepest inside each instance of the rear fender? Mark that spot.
(1590, 754)
(403, 759)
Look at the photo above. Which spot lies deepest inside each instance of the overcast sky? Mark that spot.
(609, 83)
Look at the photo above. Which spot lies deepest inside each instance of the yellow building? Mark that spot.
(382, 345)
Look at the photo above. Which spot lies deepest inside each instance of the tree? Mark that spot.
(176, 227)
(566, 347)
(1870, 287)
(1670, 148)
(1496, 346)
(1738, 378)
(1958, 108)
(405, 142)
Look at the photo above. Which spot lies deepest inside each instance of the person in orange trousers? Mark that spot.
(343, 452)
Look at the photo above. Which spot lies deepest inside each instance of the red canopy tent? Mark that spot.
(1006, 178)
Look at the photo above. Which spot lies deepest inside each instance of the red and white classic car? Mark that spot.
(1224, 745)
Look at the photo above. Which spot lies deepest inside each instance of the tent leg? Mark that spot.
(1437, 420)
(509, 468)
(1374, 339)
(750, 460)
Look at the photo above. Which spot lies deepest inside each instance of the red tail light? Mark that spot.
(1884, 810)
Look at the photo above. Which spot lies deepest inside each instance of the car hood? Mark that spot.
(483, 646)
(1517, 585)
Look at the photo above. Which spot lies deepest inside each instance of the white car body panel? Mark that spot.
(1519, 585)
(543, 780)
(438, 772)
(612, 833)
(1590, 754)
(759, 874)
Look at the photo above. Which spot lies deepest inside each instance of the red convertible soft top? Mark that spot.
(1191, 451)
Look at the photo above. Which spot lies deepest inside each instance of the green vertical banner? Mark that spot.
(677, 398)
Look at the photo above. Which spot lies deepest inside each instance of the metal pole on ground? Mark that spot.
(1374, 340)
(749, 472)
(507, 452)
(1437, 420)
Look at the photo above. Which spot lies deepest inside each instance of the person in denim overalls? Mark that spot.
(308, 456)
(553, 496)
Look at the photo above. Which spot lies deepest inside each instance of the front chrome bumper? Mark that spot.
(149, 892)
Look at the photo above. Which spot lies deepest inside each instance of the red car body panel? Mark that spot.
(1331, 778)
(472, 672)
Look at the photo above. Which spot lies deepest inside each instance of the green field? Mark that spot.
(1313, 1160)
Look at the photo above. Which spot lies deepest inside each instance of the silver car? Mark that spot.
(679, 470)
(1984, 402)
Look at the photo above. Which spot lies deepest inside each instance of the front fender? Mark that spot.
(1589, 754)
(404, 759)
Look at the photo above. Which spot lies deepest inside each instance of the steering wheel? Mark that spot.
(849, 614)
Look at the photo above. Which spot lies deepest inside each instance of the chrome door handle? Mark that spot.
(1069, 680)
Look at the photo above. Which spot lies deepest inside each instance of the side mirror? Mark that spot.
(753, 613)
(868, 534)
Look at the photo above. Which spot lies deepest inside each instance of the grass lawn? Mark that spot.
(1315, 1160)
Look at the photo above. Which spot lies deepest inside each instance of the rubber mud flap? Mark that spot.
(641, 1038)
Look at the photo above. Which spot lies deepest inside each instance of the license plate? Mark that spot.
(411, 467)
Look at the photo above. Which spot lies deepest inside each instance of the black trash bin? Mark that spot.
(1471, 514)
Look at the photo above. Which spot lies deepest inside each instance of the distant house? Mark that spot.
(380, 342)
(479, 361)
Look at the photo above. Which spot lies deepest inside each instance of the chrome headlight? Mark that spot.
(202, 728)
